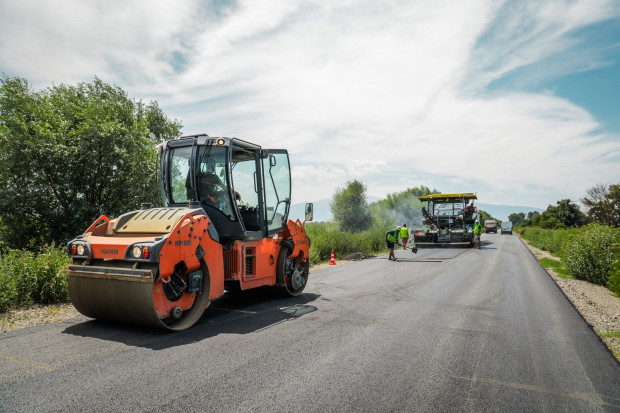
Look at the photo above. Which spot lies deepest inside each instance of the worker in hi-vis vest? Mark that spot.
(404, 235)
(391, 238)
(477, 232)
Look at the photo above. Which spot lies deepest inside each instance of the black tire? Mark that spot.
(289, 283)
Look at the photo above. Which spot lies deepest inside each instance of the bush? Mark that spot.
(27, 278)
(325, 238)
(613, 283)
(547, 239)
(588, 253)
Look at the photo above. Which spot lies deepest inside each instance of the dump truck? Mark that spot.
(223, 226)
(490, 225)
(447, 219)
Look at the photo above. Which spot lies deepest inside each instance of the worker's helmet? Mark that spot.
(398, 227)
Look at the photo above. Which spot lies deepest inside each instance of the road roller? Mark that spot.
(222, 226)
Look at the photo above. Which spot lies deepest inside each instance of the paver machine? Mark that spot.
(447, 219)
(223, 226)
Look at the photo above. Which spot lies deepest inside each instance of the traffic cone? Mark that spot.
(332, 262)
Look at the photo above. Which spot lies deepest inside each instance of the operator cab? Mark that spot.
(244, 190)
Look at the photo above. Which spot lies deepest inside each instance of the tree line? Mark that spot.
(601, 201)
(69, 154)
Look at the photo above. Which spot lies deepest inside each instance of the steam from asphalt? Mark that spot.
(406, 209)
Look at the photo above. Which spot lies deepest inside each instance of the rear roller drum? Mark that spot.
(292, 275)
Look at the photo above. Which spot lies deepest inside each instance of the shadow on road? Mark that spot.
(233, 313)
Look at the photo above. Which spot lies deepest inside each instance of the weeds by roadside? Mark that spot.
(28, 278)
(557, 266)
(611, 335)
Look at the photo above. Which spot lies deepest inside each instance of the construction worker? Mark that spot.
(391, 238)
(404, 235)
(477, 232)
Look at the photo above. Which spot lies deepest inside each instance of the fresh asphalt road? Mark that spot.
(444, 330)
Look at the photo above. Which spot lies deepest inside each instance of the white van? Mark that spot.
(507, 227)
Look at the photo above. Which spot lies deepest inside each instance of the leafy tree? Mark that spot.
(565, 214)
(603, 203)
(516, 218)
(528, 221)
(71, 153)
(350, 207)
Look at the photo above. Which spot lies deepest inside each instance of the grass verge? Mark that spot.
(557, 266)
(611, 334)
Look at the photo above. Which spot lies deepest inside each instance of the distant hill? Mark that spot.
(323, 213)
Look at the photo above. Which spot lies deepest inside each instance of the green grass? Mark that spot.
(556, 266)
(547, 239)
(28, 278)
(611, 334)
(326, 237)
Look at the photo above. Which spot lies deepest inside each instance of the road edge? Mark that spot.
(612, 345)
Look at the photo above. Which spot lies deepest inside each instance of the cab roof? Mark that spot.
(447, 198)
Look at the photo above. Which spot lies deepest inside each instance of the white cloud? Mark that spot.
(129, 41)
(392, 93)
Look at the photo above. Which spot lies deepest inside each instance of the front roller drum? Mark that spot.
(134, 297)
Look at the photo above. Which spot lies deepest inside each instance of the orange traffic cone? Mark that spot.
(332, 262)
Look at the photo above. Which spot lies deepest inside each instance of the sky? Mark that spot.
(517, 101)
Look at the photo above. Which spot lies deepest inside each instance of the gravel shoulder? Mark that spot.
(596, 304)
(34, 316)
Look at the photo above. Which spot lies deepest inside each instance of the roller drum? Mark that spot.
(126, 296)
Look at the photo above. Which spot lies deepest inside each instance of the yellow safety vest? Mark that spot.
(392, 237)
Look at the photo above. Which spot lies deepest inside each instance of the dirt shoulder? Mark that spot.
(43, 314)
(596, 304)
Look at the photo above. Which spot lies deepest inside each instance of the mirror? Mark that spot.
(272, 160)
(309, 207)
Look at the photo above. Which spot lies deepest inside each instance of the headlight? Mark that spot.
(137, 252)
(79, 249)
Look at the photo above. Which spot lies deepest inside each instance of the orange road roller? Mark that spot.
(223, 227)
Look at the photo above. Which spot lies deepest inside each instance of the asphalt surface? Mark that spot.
(444, 330)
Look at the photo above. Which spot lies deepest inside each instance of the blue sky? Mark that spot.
(518, 101)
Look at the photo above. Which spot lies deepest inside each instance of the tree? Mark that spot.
(516, 218)
(565, 214)
(71, 153)
(532, 214)
(603, 203)
(350, 207)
